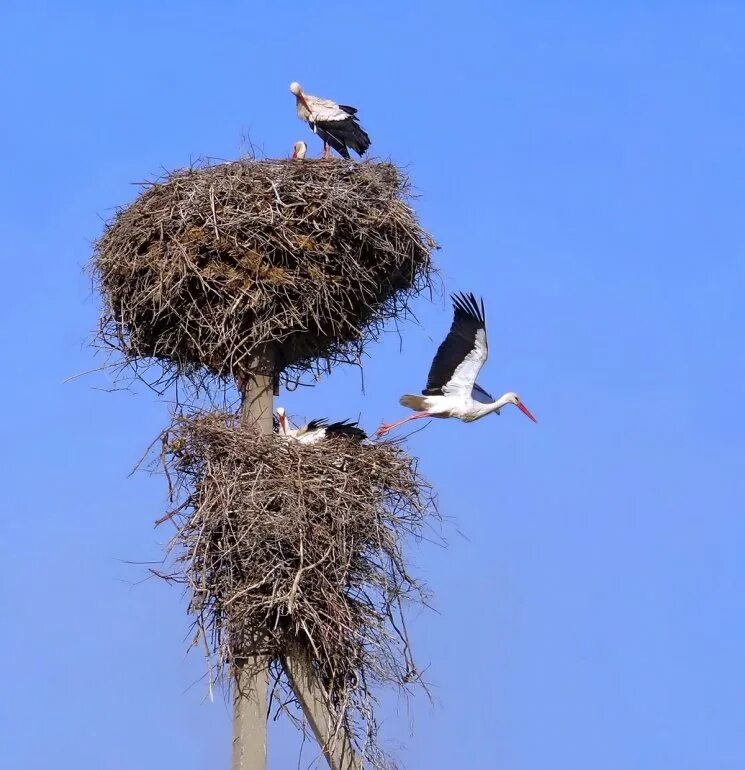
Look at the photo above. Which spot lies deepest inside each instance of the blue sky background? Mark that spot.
(582, 165)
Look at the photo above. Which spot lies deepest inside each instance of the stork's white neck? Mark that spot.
(495, 406)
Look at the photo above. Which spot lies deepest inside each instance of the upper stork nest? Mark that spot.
(301, 547)
(210, 265)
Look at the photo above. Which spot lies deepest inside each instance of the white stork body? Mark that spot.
(336, 124)
(318, 430)
(451, 389)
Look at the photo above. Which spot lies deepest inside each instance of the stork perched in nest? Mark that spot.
(336, 124)
(317, 430)
(298, 150)
(452, 390)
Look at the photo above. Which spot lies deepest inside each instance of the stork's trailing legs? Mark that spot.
(387, 428)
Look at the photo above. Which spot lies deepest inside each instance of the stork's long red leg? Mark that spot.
(386, 428)
(325, 150)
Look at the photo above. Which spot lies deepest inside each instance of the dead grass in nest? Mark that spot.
(210, 265)
(302, 547)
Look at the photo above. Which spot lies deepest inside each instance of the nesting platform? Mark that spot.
(303, 548)
(209, 266)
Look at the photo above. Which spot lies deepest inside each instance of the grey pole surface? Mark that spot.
(252, 674)
(308, 692)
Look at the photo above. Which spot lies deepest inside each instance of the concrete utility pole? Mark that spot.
(308, 692)
(252, 674)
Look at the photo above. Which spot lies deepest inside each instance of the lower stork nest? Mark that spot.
(299, 550)
(210, 265)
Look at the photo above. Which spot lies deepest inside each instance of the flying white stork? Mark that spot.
(335, 123)
(299, 149)
(451, 389)
(318, 430)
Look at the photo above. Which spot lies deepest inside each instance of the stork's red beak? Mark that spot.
(524, 409)
(304, 101)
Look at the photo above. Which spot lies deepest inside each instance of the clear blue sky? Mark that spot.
(582, 165)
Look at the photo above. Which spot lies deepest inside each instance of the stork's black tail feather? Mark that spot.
(360, 141)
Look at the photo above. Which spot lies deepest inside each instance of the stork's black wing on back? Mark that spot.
(463, 352)
(344, 133)
(346, 428)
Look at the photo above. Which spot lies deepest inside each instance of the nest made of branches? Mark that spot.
(211, 265)
(303, 549)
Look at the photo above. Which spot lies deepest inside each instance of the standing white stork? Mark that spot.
(299, 149)
(336, 124)
(451, 389)
(318, 430)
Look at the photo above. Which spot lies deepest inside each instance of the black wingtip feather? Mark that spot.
(470, 306)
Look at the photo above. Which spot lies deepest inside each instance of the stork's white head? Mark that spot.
(296, 89)
(299, 150)
(513, 398)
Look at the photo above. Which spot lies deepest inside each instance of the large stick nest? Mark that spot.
(211, 265)
(299, 550)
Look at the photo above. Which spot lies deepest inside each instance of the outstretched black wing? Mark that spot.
(463, 352)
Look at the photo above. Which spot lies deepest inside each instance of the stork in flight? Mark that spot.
(299, 149)
(451, 389)
(335, 123)
(318, 430)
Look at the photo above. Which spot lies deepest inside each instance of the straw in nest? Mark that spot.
(211, 265)
(303, 548)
